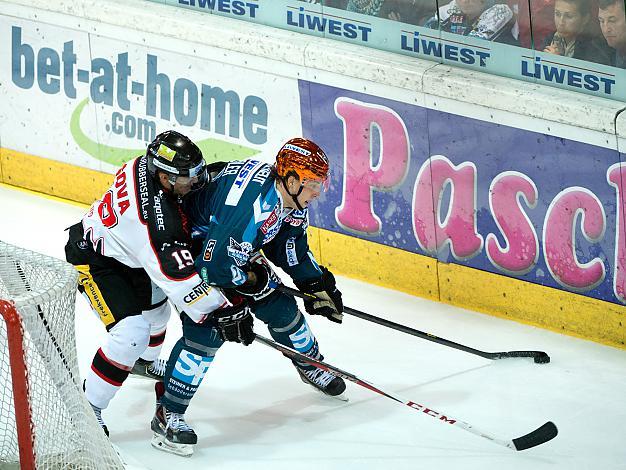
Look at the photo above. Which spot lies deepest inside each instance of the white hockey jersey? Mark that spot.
(142, 226)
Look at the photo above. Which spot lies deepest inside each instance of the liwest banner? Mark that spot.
(425, 43)
(539, 208)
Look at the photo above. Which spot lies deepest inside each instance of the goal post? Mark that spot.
(45, 419)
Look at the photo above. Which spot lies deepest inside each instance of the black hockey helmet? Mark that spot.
(176, 155)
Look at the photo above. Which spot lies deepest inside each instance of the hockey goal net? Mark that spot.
(45, 420)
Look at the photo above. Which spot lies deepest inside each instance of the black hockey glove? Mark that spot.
(328, 303)
(235, 323)
(263, 280)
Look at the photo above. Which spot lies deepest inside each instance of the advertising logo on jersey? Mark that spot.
(271, 220)
(197, 292)
(239, 252)
(244, 176)
(290, 249)
(190, 368)
(271, 226)
(297, 218)
(142, 184)
(208, 251)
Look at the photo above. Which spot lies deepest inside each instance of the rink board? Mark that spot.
(430, 194)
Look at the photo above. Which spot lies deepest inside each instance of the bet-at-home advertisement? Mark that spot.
(96, 102)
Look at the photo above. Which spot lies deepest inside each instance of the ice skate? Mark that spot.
(325, 382)
(149, 369)
(171, 433)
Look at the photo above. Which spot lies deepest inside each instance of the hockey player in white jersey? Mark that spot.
(132, 252)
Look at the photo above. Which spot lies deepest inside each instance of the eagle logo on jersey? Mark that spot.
(240, 252)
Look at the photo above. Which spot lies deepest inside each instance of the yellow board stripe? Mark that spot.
(501, 296)
(92, 292)
(52, 177)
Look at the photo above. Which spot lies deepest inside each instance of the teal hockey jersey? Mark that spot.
(239, 213)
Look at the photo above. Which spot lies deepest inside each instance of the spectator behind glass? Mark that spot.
(482, 19)
(613, 24)
(542, 13)
(406, 11)
(576, 35)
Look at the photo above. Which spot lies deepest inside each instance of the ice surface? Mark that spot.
(253, 412)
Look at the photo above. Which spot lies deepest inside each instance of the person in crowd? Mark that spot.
(542, 14)
(575, 35)
(249, 206)
(132, 253)
(483, 19)
(414, 12)
(612, 18)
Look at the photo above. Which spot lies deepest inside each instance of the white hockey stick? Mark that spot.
(534, 438)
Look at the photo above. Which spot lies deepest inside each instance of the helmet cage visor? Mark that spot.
(199, 172)
(317, 185)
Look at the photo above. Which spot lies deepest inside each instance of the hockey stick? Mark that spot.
(539, 357)
(534, 438)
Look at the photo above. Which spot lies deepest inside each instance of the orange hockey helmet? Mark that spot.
(305, 159)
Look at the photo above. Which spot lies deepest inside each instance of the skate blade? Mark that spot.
(341, 397)
(159, 442)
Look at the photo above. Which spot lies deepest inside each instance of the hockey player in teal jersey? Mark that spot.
(248, 206)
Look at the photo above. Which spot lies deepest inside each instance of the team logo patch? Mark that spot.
(240, 252)
(82, 244)
(166, 153)
(208, 251)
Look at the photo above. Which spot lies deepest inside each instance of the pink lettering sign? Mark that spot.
(521, 250)
(360, 175)
(616, 175)
(458, 226)
(571, 208)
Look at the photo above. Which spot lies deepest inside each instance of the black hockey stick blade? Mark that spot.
(539, 357)
(537, 437)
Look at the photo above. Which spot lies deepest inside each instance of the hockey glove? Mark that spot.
(235, 323)
(263, 280)
(328, 302)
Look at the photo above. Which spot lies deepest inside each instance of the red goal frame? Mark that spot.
(21, 392)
